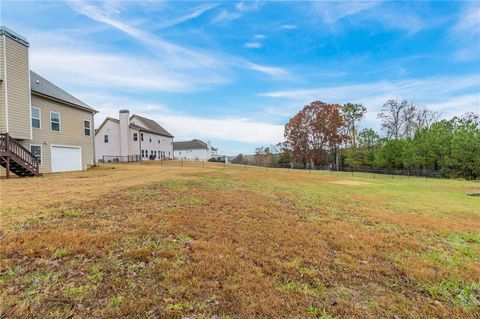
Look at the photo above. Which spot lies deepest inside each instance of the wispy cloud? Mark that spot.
(439, 93)
(273, 71)
(197, 12)
(253, 45)
(288, 26)
(226, 15)
(331, 12)
(174, 55)
(465, 34)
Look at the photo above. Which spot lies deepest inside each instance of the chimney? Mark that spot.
(15, 93)
(124, 118)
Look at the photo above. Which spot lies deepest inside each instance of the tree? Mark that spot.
(368, 138)
(403, 119)
(353, 113)
(313, 131)
(238, 159)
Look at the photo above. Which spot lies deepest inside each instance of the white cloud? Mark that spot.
(197, 12)
(449, 94)
(173, 55)
(465, 34)
(184, 126)
(225, 16)
(253, 45)
(331, 12)
(288, 26)
(273, 71)
(260, 36)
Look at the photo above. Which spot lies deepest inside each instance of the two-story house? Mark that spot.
(42, 127)
(132, 138)
(194, 150)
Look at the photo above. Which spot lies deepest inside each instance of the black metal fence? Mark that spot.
(120, 159)
(352, 170)
(390, 173)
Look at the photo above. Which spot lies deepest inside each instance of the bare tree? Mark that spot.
(403, 119)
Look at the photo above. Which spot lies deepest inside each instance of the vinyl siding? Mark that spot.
(3, 127)
(112, 148)
(18, 89)
(71, 131)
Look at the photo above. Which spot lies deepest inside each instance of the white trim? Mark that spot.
(6, 86)
(59, 122)
(89, 127)
(39, 119)
(41, 152)
(68, 146)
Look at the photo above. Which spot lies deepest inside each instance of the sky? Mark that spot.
(234, 73)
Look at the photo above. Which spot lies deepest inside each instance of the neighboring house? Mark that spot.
(132, 138)
(194, 150)
(43, 128)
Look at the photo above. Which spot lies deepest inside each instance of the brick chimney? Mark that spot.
(124, 118)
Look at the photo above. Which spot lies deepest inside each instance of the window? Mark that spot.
(143, 153)
(37, 151)
(135, 137)
(35, 117)
(105, 138)
(141, 137)
(55, 121)
(158, 141)
(150, 139)
(86, 127)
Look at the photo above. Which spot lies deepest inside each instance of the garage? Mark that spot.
(66, 158)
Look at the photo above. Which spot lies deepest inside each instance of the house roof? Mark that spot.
(44, 87)
(133, 126)
(152, 125)
(190, 145)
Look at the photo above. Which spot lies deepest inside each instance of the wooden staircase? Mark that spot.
(17, 159)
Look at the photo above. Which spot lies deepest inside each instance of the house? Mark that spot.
(42, 127)
(132, 138)
(194, 150)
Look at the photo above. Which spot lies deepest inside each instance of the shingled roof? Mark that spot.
(190, 145)
(44, 87)
(154, 126)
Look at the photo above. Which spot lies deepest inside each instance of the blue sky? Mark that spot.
(235, 72)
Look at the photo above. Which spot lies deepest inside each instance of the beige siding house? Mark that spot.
(49, 123)
(132, 138)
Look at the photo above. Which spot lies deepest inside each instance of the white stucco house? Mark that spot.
(194, 150)
(132, 138)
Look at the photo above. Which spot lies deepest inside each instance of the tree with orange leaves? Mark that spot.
(313, 131)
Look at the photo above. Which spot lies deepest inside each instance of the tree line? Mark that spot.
(412, 137)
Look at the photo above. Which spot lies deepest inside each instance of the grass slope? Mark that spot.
(151, 241)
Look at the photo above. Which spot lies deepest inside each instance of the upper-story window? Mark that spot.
(141, 137)
(150, 139)
(86, 127)
(55, 121)
(105, 138)
(36, 117)
(135, 137)
(158, 141)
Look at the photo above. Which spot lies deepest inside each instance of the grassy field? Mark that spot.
(151, 241)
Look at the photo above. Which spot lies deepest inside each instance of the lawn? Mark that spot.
(165, 241)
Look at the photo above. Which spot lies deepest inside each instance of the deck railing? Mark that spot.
(9, 145)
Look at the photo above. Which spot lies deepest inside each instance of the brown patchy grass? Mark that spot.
(151, 241)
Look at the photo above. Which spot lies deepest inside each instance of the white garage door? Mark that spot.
(66, 159)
